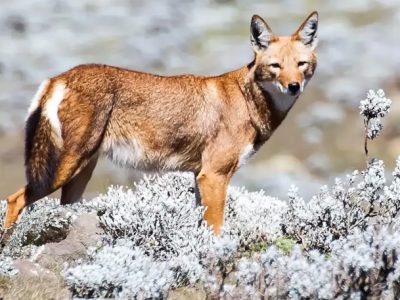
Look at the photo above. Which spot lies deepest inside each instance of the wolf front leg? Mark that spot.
(16, 203)
(213, 189)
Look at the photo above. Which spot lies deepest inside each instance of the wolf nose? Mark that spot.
(294, 87)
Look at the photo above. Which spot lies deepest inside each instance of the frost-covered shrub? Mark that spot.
(46, 221)
(329, 216)
(219, 263)
(252, 218)
(121, 271)
(373, 108)
(7, 266)
(160, 216)
(362, 265)
(160, 220)
(125, 271)
(299, 276)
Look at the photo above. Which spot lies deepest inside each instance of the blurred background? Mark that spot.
(321, 139)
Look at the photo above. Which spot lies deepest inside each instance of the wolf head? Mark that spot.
(284, 64)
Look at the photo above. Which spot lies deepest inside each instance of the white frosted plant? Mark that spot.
(315, 223)
(373, 108)
(6, 266)
(125, 271)
(309, 276)
(46, 221)
(391, 206)
(219, 264)
(247, 280)
(253, 217)
(121, 272)
(274, 275)
(160, 216)
(362, 265)
(331, 215)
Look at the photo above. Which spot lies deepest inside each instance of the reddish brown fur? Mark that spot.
(152, 123)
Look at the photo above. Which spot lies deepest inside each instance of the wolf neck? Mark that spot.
(267, 107)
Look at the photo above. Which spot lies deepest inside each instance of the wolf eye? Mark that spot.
(301, 63)
(275, 65)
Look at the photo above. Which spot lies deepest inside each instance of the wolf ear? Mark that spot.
(260, 34)
(308, 31)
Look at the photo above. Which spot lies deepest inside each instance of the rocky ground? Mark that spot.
(39, 277)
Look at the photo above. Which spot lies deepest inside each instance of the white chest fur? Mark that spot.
(125, 152)
(246, 153)
(132, 153)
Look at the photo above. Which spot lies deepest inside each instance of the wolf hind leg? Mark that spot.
(73, 190)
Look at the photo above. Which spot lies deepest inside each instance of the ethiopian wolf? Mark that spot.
(207, 125)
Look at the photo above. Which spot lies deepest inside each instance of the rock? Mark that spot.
(84, 233)
(41, 276)
(27, 269)
(34, 280)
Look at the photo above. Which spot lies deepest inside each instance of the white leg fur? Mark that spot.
(51, 110)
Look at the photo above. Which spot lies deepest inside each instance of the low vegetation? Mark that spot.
(344, 243)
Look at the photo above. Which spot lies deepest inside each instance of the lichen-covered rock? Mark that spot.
(29, 269)
(84, 233)
(47, 221)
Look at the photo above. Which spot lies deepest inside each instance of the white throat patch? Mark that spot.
(282, 100)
